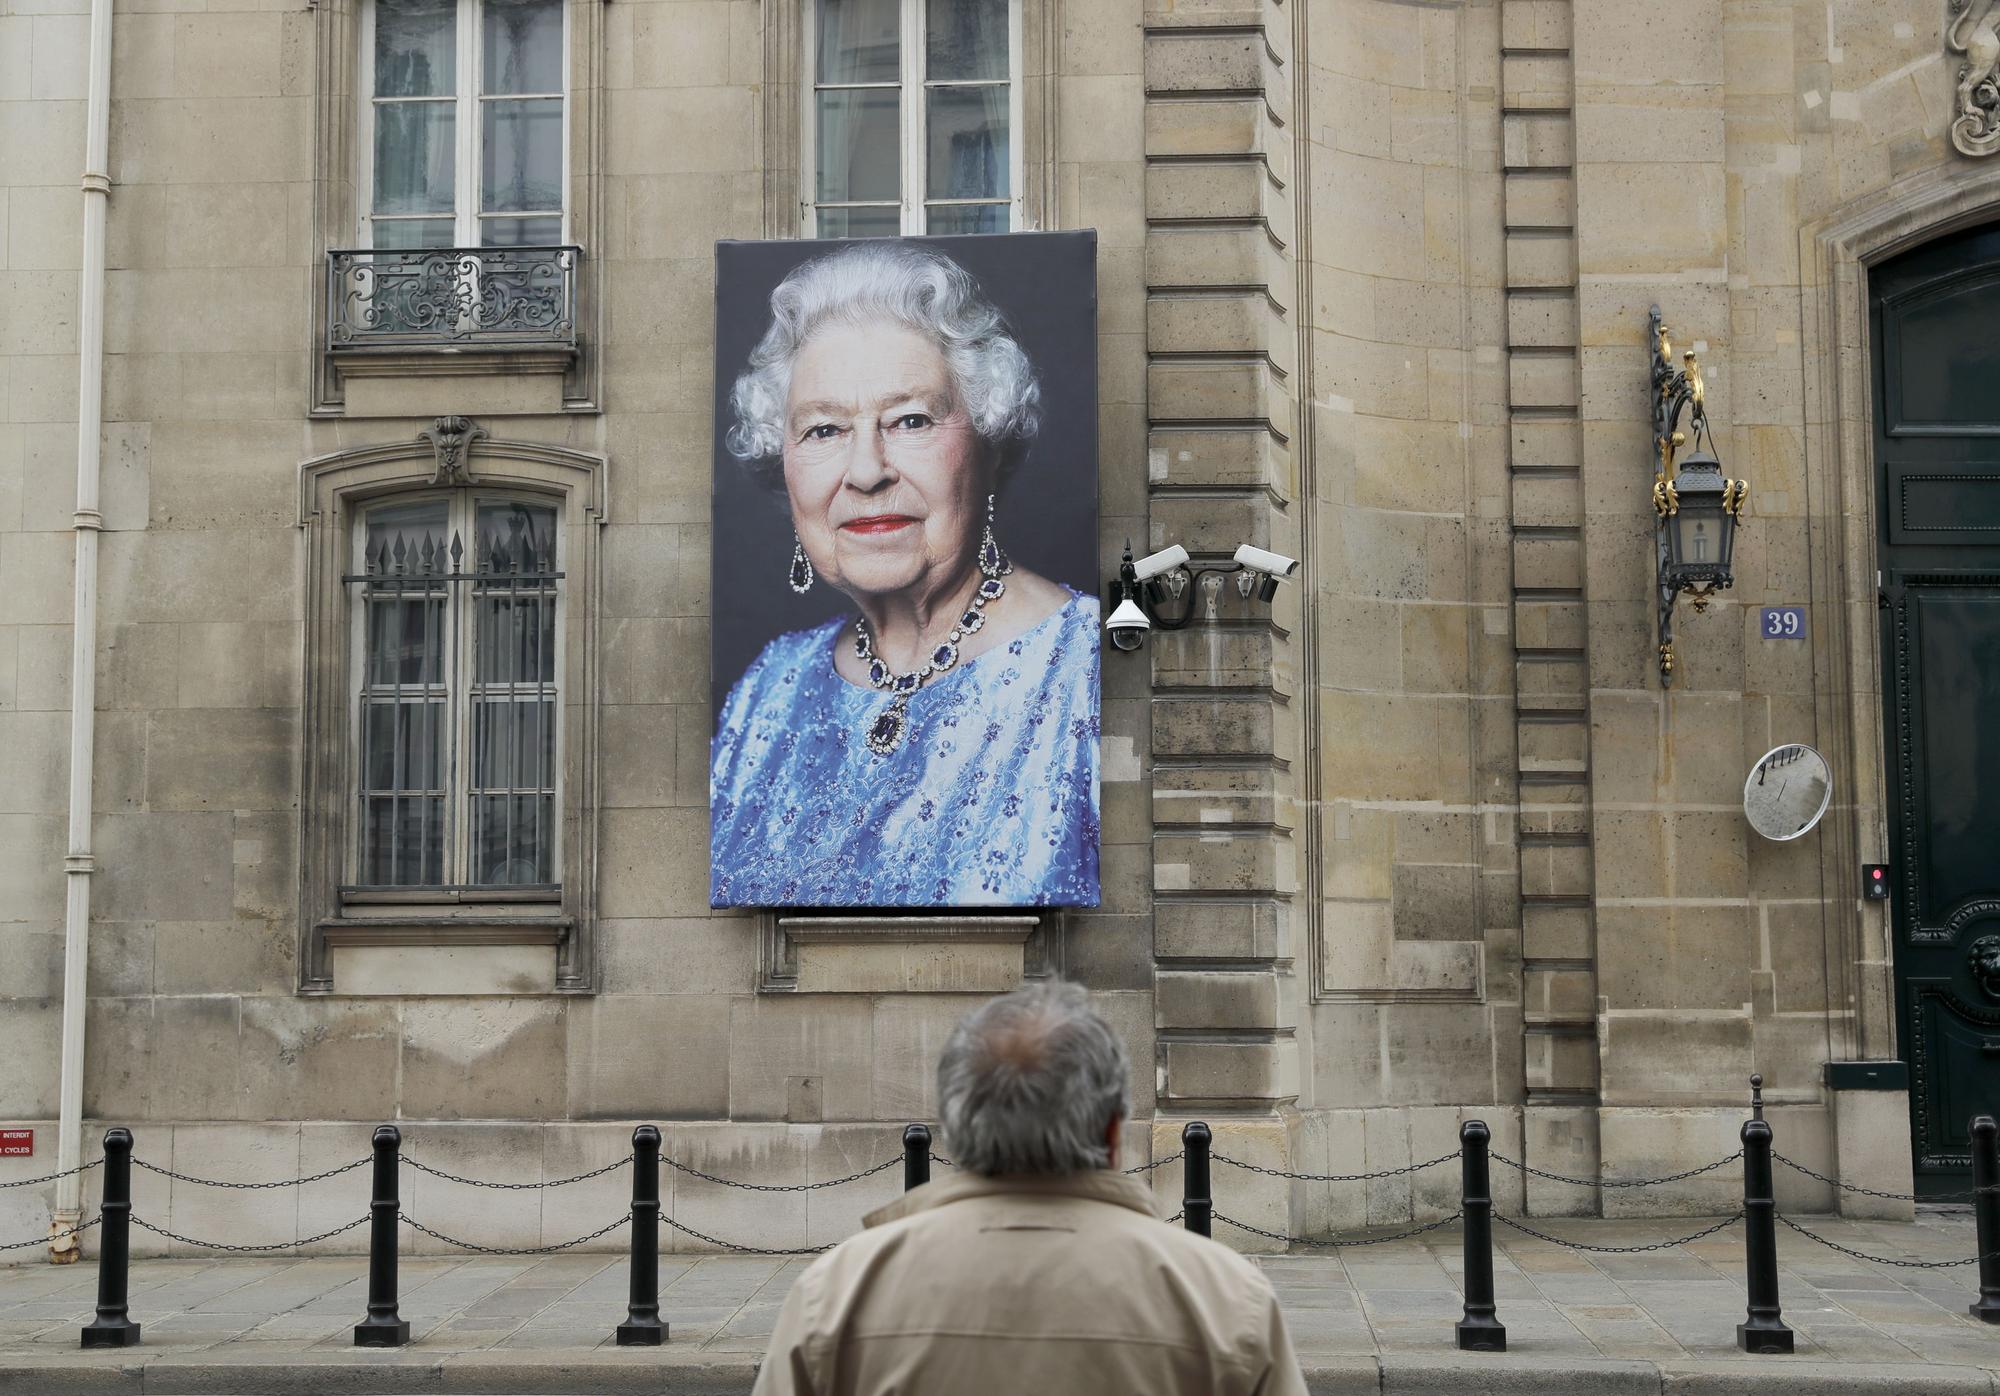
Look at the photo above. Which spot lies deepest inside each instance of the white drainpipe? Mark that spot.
(78, 864)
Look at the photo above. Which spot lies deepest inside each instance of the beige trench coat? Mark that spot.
(1029, 1287)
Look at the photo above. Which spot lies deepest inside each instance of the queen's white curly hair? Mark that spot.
(907, 284)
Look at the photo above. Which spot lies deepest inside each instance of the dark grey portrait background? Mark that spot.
(1046, 517)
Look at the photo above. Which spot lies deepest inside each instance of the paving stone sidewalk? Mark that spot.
(1365, 1319)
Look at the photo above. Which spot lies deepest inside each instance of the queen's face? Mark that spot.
(883, 469)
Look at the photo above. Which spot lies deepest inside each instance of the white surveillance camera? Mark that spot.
(1270, 564)
(1127, 625)
(1165, 560)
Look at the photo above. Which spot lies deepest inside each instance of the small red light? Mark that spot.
(1878, 874)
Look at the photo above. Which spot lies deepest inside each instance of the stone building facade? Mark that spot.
(1426, 841)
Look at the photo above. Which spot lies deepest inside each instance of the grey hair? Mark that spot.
(911, 285)
(1030, 1082)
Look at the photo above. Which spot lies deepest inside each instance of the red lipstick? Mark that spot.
(878, 523)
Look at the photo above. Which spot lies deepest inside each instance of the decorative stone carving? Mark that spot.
(1974, 34)
(1983, 959)
(451, 441)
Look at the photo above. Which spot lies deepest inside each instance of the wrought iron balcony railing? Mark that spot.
(452, 297)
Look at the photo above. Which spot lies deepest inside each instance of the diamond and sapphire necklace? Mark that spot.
(885, 734)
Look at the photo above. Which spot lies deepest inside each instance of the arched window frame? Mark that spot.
(335, 492)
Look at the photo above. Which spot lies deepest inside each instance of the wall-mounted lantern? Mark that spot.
(1161, 589)
(1696, 505)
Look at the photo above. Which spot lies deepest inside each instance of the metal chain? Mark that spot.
(1336, 1177)
(691, 1170)
(1883, 1260)
(1176, 1216)
(249, 1187)
(511, 1250)
(51, 1177)
(1617, 1182)
(741, 1250)
(1336, 1243)
(940, 1158)
(76, 1230)
(1723, 1225)
(1968, 1195)
(224, 1246)
(512, 1187)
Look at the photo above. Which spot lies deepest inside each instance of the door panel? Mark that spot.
(1937, 446)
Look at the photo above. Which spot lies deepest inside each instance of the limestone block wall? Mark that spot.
(198, 1036)
(1422, 841)
(1414, 883)
(1712, 147)
(1221, 466)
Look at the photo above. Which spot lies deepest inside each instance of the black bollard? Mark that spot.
(113, 1326)
(1762, 1329)
(1197, 1207)
(384, 1328)
(1986, 1211)
(916, 1156)
(1480, 1330)
(642, 1326)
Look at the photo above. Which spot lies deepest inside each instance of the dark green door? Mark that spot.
(1936, 328)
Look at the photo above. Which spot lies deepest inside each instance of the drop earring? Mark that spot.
(802, 568)
(992, 561)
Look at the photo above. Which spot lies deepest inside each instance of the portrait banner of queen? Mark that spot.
(905, 644)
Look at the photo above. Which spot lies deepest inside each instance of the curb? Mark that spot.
(599, 1373)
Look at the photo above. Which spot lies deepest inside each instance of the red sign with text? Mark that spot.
(16, 1143)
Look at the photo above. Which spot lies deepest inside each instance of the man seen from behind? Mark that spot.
(1035, 1268)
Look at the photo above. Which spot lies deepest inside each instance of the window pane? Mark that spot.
(414, 150)
(941, 220)
(521, 163)
(517, 635)
(513, 744)
(416, 48)
(513, 838)
(965, 39)
(860, 222)
(858, 41)
(402, 744)
(523, 44)
(520, 232)
(402, 841)
(858, 146)
(404, 538)
(392, 234)
(406, 639)
(516, 537)
(968, 140)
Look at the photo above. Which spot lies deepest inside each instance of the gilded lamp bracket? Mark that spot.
(1695, 507)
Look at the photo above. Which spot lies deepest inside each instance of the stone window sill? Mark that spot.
(456, 956)
(886, 954)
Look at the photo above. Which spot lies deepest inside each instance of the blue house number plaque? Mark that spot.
(1783, 623)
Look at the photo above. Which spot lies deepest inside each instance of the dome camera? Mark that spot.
(1127, 625)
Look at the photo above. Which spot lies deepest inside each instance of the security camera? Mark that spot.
(1165, 560)
(1127, 625)
(1270, 564)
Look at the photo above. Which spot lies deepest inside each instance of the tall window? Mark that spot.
(914, 106)
(457, 710)
(463, 134)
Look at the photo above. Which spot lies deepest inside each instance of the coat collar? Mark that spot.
(1092, 1185)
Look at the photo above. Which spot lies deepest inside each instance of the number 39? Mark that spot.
(1781, 623)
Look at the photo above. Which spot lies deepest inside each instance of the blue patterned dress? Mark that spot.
(991, 800)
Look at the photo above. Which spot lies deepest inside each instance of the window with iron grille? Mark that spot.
(457, 704)
(913, 117)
